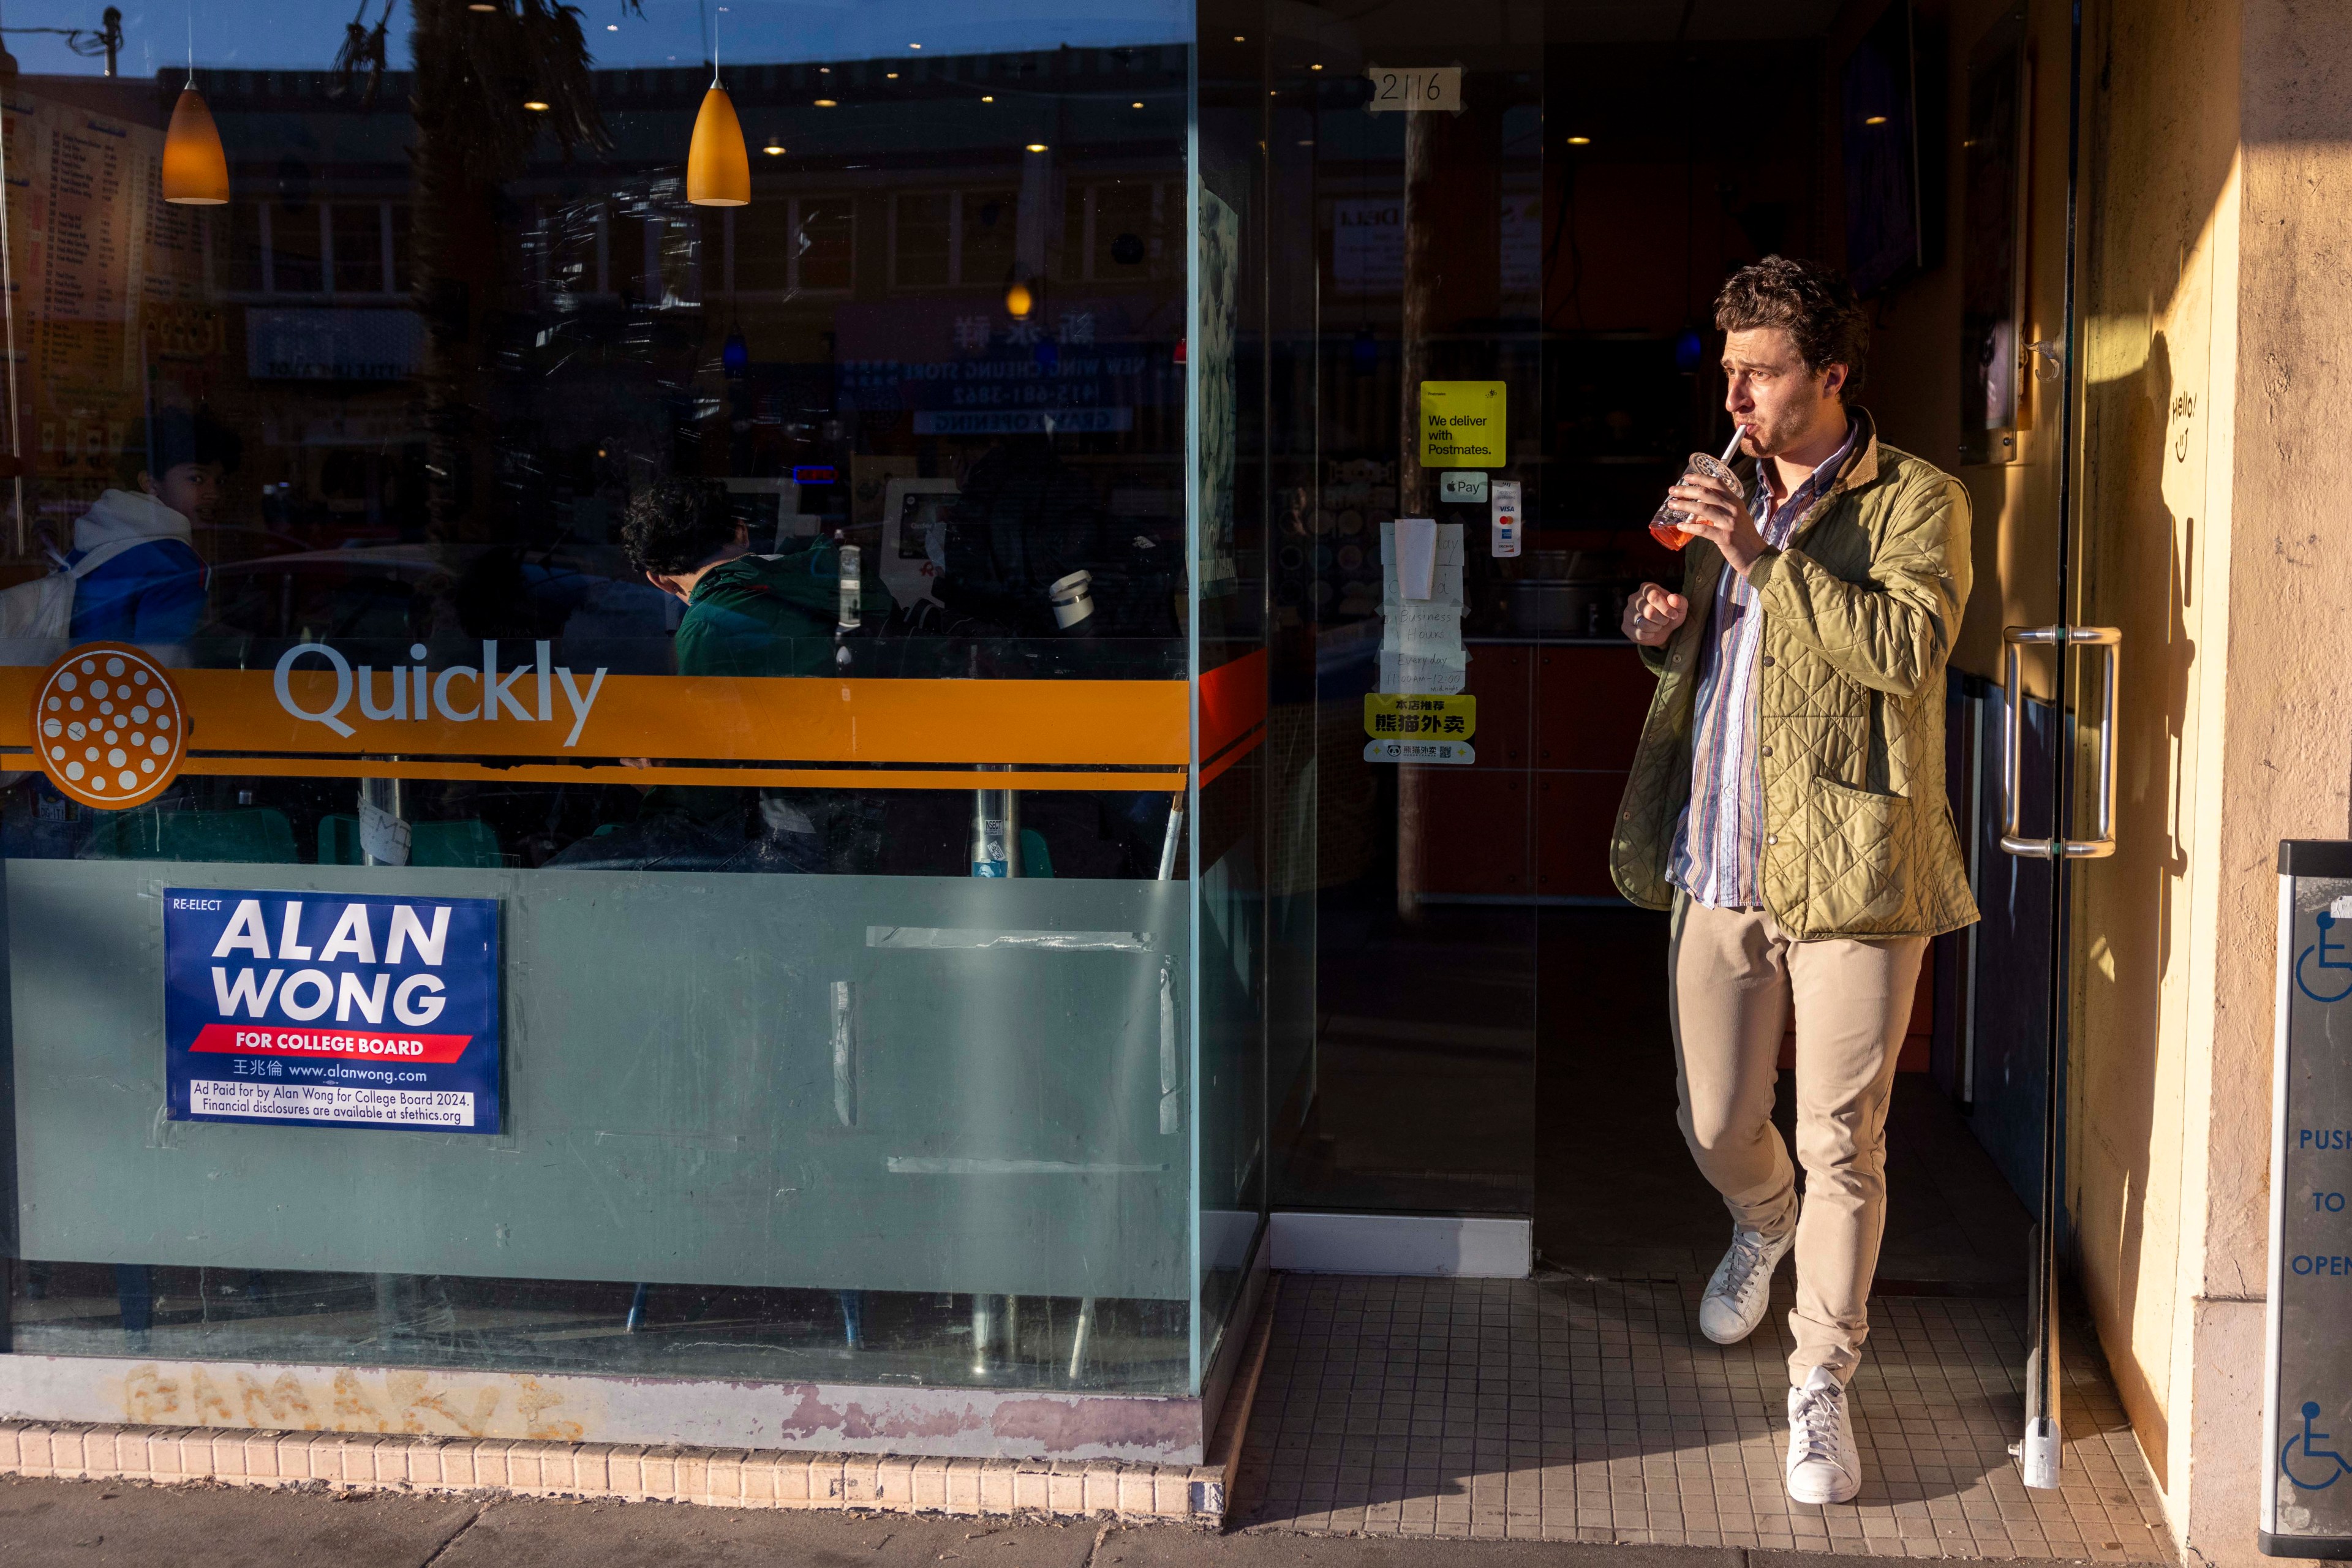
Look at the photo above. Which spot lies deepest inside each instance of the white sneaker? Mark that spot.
(1824, 1465)
(1735, 1298)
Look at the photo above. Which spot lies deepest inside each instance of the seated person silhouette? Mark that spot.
(746, 615)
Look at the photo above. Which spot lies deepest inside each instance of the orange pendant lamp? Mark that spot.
(196, 165)
(718, 165)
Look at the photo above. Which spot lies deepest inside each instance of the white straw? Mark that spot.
(1738, 432)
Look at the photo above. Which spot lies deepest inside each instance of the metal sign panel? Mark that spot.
(2307, 1388)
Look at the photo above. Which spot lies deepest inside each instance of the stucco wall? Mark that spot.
(2285, 762)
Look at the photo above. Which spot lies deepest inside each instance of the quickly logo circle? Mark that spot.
(109, 726)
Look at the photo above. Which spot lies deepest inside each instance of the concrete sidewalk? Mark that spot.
(119, 1524)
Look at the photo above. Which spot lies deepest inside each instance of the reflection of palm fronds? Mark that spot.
(475, 71)
(364, 49)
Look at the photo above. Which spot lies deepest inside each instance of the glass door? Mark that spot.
(1418, 154)
(2055, 709)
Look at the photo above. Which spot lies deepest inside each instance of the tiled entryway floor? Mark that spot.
(1578, 1409)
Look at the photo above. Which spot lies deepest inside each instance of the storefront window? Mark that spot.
(825, 634)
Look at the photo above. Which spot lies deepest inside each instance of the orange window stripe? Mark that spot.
(1041, 723)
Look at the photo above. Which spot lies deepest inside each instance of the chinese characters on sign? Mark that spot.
(1419, 729)
(1386, 714)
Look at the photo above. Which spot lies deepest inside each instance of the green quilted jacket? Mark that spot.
(1859, 614)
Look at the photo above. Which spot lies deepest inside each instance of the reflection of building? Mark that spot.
(298, 312)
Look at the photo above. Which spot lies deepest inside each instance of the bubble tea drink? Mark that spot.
(1666, 527)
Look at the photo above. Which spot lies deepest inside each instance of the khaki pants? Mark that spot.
(1734, 977)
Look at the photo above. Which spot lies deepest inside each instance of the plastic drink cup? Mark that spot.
(1666, 526)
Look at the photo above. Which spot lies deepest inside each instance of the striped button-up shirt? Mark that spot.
(1718, 849)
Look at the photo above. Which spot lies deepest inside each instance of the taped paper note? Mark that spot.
(1421, 637)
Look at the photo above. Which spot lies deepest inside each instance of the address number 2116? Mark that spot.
(1398, 91)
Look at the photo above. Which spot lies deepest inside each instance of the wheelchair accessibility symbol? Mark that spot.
(2332, 962)
(2304, 1462)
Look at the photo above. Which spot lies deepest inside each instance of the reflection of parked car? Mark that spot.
(223, 542)
(434, 592)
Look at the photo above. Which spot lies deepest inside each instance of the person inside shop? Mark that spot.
(1034, 557)
(1025, 523)
(747, 614)
(140, 579)
(1787, 802)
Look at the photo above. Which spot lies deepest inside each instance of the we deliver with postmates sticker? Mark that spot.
(323, 1009)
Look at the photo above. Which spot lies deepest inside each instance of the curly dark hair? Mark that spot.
(1814, 302)
(675, 525)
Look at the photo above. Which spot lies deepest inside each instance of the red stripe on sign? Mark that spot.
(341, 1045)
(1233, 703)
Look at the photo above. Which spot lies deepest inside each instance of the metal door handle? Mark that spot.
(2013, 639)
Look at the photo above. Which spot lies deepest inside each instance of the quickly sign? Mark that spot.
(2306, 1510)
(323, 1009)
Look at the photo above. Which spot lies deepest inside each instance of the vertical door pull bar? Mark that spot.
(2013, 805)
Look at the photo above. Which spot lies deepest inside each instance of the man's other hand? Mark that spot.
(1652, 614)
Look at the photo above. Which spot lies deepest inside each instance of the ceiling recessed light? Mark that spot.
(828, 104)
(1036, 146)
(774, 149)
(891, 76)
(1239, 40)
(824, 70)
(534, 105)
(478, 6)
(988, 97)
(1876, 120)
(1580, 141)
(1306, 142)
(1137, 104)
(914, 46)
(1315, 67)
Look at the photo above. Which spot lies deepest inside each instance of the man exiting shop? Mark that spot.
(1787, 802)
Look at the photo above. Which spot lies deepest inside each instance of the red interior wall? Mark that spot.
(1557, 730)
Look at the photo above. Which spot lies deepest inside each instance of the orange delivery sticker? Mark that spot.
(108, 726)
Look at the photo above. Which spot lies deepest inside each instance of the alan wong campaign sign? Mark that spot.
(323, 1009)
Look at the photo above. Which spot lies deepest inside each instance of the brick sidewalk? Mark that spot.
(1577, 1410)
(95, 1524)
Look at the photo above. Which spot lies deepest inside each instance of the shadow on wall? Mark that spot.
(2142, 430)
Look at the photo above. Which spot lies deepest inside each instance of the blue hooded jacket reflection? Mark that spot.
(151, 592)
